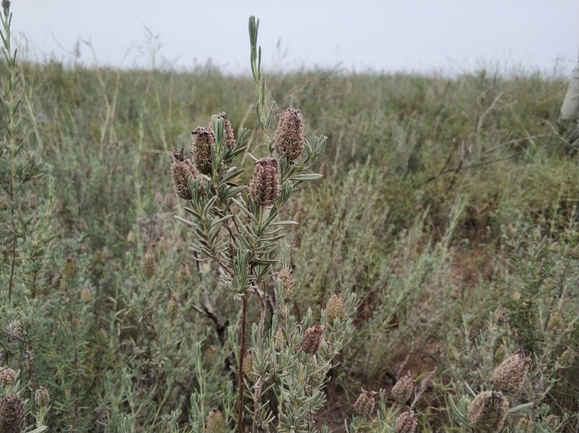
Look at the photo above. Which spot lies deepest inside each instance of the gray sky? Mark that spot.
(447, 36)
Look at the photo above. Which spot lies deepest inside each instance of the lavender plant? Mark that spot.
(236, 226)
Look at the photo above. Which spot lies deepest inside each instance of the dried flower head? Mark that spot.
(228, 129)
(364, 406)
(41, 397)
(289, 136)
(335, 309)
(203, 140)
(487, 412)
(12, 416)
(312, 340)
(149, 265)
(511, 373)
(215, 422)
(7, 378)
(402, 390)
(183, 171)
(287, 280)
(552, 421)
(173, 308)
(264, 187)
(567, 358)
(406, 422)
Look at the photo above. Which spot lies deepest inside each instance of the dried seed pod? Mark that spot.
(364, 406)
(289, 136)
(287, 280)
(12, 416)
(335, 309)
(215, 422)
(312, 340)
(406, 422)
(203, 140)
(402, 390)
(183, 171)
(487, 412)
(41, 397)
(228, 129)
(149, 265)
(264, 187)
(511, 373)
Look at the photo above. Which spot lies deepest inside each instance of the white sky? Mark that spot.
(446, 36)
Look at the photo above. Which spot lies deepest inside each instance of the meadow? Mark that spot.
(446, 221)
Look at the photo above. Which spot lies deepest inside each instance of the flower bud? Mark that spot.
(406, 422)
(102, 337)
(287, 281)
(7, 378)
(203, 140)
(183, 171)
(183, 273)
(12, 416)
(364, 406)
(567, 358)
(402, 390)
(511, 373)
(228, 129)
(289, 136)
(312, 340)
(149, 265)
(248, 366)
(215, 422)
(41, 397)
(70, 268)
(173, 308)
(264, 187)
(524, 425)
(335, 309)
(487, 412)
(555, 322)
(85, 295)
(170, 200)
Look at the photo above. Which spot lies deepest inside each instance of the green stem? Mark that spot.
(240, 372)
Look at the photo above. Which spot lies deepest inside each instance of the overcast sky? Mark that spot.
(447, 36)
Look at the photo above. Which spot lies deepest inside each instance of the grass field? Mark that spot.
(448, 207)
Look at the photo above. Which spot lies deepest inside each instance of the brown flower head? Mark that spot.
(203, 140)
(182, 172)
(312, 340)
(487, 412)
(511, 373)
(12, 416)
(215, 422)
(264, 187)
(289, 136)
(335, 309)
(364, 406)
(228, 129)
(406, 422)
(402, 390)
(41, 397)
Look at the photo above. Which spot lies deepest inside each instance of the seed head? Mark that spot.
(402, 390)
(511, 373)
(12, 416)
(264, 187)
(229, 135)
(335, 309)
(487, 412)
(215, 421)
(7, 378)
(364, 406)
(183, 171)
(312, 340)
(287, 280)
(41, 397)
(289, 136)
(406, 422)
(203, 140)
(149, 265)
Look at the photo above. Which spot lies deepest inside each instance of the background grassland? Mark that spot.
(444, 199)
